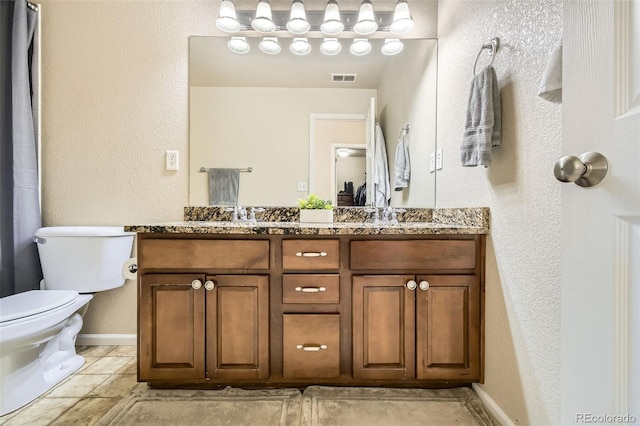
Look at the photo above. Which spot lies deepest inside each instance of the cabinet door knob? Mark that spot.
(424, 285)
(311, 347)
(196, 284)
(209, 285)
(411, 285)
(311, 289)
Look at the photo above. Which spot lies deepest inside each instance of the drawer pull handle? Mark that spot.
(311, 347)
(311, 253)
(311, 289)
(196, 284)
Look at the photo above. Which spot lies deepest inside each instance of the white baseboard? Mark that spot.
(106, 339)
(491, 405)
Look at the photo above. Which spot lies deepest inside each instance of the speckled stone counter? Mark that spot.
(347, 221)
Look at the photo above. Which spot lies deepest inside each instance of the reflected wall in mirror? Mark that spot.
(256, 110)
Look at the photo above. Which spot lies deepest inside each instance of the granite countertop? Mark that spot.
(347, 221)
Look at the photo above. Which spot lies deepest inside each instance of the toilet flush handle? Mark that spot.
(39, 240)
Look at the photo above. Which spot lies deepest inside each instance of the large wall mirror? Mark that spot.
(283, 116)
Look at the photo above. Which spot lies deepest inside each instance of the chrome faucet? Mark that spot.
(389, 215)
(240, 214)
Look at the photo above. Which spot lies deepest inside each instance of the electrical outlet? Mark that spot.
(172, 159)
(439, 160)
(302, 186)
(432, 162)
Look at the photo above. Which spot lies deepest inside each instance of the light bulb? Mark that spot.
(392, 46)
(332, 24)
(298, 19)
(300, 46)
(402, 21)
(270, 45)
(366, 21)
(227, 20)
(360, 47)
(263, 22)
(238, 45)
(330, 46)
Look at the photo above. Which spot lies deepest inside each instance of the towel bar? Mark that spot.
(205, 170)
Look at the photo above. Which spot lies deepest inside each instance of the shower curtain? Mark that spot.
(19, 182)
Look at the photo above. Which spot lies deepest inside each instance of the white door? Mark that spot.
(371, 140)
(601, 225)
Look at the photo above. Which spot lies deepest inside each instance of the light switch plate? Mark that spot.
(302, 186)
(439, 160)
(432, 162)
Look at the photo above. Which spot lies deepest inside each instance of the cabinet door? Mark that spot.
(171, 327)
(448, 328)
(383, 327)
(238, 327)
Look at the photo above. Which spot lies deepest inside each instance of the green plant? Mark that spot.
(312, 201)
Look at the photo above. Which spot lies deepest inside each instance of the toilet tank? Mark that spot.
(86, 259)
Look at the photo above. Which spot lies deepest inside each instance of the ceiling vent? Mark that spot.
(343, 78)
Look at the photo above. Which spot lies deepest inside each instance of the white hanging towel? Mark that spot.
(551, 83)
(402, 172)
(382, 187)
(483, 129)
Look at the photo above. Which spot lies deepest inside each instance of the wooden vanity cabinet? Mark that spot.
(203, 326)
(289, 310)
(412, 325)
(401, 332)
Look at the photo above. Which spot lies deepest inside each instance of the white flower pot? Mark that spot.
(316, 216)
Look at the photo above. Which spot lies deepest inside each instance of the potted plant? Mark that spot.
(313, 209)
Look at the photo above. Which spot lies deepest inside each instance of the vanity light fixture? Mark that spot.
(332, 24)
(342, 152)
(239, 45)
(227, 20)
(402, 21)
(392, 46)
(331, 46)
(270, 45)
(263, 22)
(300, 46)
(366, 21)
(298, 23)
(360, 47)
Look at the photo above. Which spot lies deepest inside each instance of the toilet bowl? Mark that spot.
(38, 328)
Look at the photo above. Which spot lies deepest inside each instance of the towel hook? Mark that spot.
(492, 47)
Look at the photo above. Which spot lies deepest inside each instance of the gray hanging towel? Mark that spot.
(223, 187)
(483, 129)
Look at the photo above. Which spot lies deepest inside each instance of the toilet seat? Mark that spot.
(34, 302)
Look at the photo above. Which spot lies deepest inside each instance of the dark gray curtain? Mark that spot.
(19, 186)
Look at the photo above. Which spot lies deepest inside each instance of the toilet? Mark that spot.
(38, 328)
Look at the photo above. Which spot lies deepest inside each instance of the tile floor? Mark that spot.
(109, 374)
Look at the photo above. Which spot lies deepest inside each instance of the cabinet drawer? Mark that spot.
(204, 254)
(297, 288)
(311, 346)
(310, 254)
(413, 254)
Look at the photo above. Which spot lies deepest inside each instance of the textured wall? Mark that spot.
(523, 255)
(115, 97)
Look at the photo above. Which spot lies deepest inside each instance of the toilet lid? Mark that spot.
(33, 302)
